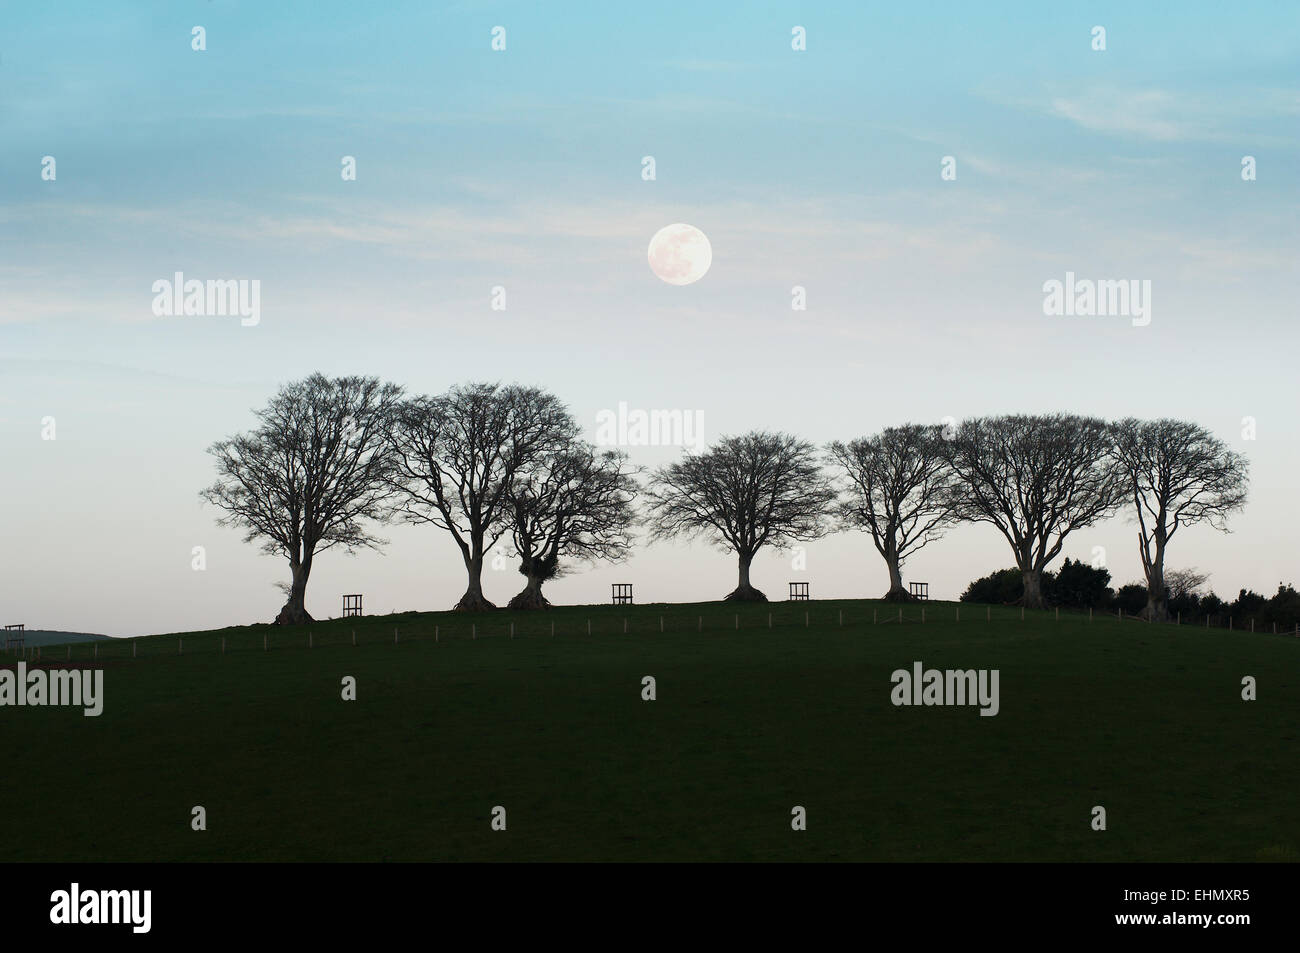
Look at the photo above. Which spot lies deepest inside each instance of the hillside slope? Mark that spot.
(749, 722)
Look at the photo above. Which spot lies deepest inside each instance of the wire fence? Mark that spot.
(601, 622)
(1204, 620)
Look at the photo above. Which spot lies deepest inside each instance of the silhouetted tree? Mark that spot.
(458, 455)
(1178, 473)
(999, 588)
(1080, 586)
(1213, 607)
(572, 502)
(1037, 479)
(1283, 608)
(1248, 605)
(316, 466)
(1131, 597)
(1184, 583)
(900, 489)
(742, 494)
(1183, 587)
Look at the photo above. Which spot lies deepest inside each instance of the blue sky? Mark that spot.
(522, 169)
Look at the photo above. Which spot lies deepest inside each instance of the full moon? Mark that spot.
(680, 254)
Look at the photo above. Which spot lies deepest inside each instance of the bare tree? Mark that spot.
(572, 503)
(744, 493)
(900, 489)
(1037, 479)
(458, 455)
(1177, 473)
(1184, 583)
(317, 465)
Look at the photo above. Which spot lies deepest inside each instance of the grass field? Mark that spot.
(1145, 720)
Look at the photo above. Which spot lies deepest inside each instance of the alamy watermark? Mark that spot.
(61, 686)
(1129, 298)
(76, 906)
(225, 297)
(650, 428)
(930, 686)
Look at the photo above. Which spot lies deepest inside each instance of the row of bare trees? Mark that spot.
(1037, 479)
(330, 457)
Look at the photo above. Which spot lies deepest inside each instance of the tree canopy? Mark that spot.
(743, 493)
(311, 476)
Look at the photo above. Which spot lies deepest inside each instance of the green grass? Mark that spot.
(1146, 720)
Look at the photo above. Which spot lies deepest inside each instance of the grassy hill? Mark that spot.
(1145, 720)
(53, 637)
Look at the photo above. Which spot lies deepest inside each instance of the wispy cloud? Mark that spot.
(1145, 114)
(1158, 115)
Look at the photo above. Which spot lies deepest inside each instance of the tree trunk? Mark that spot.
(473, 599)
(531, 597)
(1033, 597)
(1157, 608)
(1157, 594)
(744, 592)
(897, 591)
(295, 608)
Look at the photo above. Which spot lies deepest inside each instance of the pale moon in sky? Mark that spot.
(680, 254)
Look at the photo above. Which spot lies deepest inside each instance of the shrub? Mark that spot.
(999, 588)
(1080, 586)
(1132, 598)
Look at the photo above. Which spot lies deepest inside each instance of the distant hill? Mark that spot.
(50, 637)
